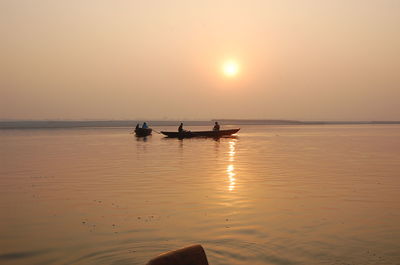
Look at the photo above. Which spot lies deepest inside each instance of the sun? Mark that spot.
(230, 68)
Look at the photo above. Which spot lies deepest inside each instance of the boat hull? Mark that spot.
(141, 132)
(190, 134)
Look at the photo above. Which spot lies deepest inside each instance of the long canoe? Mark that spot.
(141, 132)
(190, 134)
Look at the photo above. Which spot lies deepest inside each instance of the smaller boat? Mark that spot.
(190, 134)
(141, 132)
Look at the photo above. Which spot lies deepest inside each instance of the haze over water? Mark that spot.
(273, 195)
(200, 60)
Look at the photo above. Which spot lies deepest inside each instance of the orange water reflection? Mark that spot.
(231, 168)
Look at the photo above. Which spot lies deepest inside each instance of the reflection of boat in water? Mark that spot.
(190, 134)
(141, 132)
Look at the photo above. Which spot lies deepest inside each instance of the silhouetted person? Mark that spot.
(216, 126)
(137, 126)
(144, 126)
(180, 128)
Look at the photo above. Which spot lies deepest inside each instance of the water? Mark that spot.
(273, 195)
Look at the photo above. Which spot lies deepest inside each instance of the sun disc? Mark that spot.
(230, 68)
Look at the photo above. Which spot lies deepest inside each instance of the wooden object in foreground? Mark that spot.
(192, 255)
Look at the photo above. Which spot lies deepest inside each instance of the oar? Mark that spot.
(156, 131)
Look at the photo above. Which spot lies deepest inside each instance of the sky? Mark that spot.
(299, 59)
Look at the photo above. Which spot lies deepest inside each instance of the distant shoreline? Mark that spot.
(296, 122)
(131, 123)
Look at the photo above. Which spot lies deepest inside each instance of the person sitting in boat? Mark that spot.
(180, 128)
(144, 126)
(216, 126)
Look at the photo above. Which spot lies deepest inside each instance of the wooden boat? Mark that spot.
(141, 132)
(192, 255)
(190, 134)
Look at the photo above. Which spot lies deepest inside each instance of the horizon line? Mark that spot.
(188, 119)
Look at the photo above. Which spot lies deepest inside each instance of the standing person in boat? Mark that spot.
(216, 126)
(180, 128)
(144, 126)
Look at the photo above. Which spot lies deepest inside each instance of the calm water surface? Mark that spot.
(273, 195)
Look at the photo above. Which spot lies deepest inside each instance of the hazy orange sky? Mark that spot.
(309, 60)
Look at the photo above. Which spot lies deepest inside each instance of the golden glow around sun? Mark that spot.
(230, 68)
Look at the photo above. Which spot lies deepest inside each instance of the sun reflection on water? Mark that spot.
(231, 176)
(231, 168)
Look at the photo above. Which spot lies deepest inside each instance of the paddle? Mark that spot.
(156, 131)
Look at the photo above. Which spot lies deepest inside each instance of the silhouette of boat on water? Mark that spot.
(141, 132)
(191, 134)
